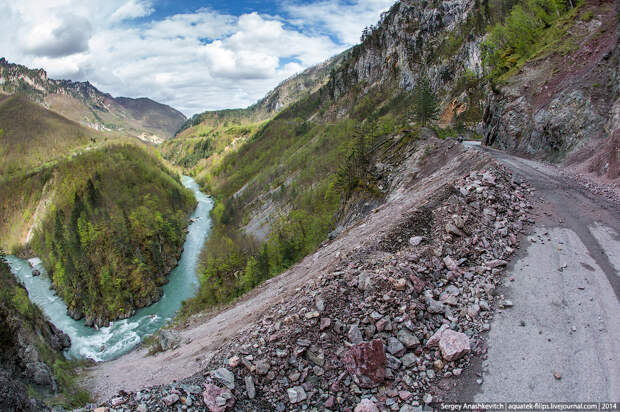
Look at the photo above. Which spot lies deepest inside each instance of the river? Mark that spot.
(124, 335)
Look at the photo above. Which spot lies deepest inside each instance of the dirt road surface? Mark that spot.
(561, 339)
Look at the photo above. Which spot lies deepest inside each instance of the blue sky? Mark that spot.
(194, 55)
(164, 8)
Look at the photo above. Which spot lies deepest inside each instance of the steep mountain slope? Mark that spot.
(33, 135)
(83, 103)
(210, 134)
(405, 237)
(354, 319)
(319, 162)
(30, 352)
(287, 92)
(152, 115)
(563, 103)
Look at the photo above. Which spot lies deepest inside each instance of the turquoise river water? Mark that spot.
(124, 335)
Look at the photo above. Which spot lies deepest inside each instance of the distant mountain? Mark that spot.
(213, 133)
(83, 103)
(33, 135)
(289, 91)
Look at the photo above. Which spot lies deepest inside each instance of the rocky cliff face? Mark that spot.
(565, 103)
(299, 86)
(82, 102)
(29, 344)
(439, 39)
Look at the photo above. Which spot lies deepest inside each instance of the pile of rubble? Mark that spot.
(609, 191)
(376, 333)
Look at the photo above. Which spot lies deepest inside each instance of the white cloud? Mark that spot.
(59, 37)
(337, 17)
(196, 61)
(132, 10)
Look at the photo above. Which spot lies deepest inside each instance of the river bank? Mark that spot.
(124, 335)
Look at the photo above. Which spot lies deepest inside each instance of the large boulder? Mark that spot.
(434, 340)
(453, 345)
(225, 377)
(366, 361)
(366, 405)
(296, 394)
(169, 339)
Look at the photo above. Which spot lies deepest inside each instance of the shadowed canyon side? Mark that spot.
(430, 216)
(564, 106)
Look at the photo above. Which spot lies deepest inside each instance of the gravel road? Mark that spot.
(561, 339)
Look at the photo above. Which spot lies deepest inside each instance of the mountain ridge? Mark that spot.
(82, 102)
(285, 93)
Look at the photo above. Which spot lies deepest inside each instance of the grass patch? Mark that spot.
(533, 29)
(66, 376)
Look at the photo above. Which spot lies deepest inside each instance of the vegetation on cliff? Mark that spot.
(205, 144)
(530, 27)
(109, 228)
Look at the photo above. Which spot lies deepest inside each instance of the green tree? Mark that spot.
(426, 104)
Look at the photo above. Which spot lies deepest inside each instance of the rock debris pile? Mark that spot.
(377, 332)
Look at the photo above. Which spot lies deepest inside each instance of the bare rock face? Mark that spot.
(367, 361)
(14, 396)
(409, 32)
(40, 373)
(453, 345)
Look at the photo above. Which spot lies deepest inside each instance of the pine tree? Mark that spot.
(426, 104)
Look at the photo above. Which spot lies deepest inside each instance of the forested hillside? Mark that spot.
(33, 136)
(108, 224)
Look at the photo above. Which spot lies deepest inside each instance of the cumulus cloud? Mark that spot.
(59, 38)
(203, 60)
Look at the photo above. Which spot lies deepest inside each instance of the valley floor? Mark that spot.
(560, 340)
